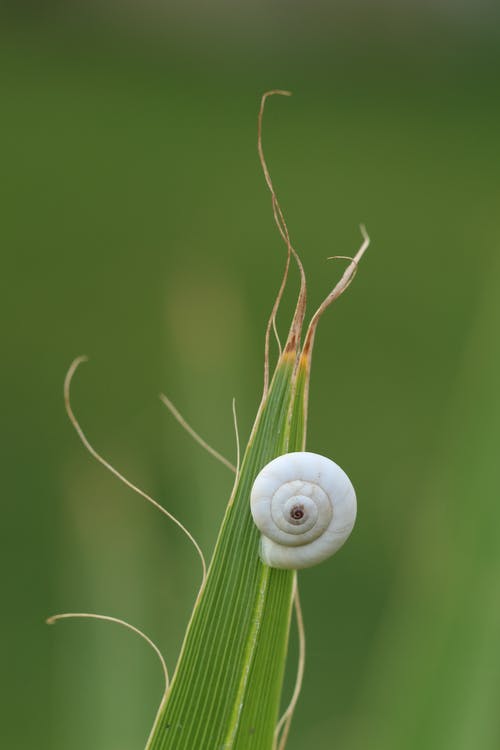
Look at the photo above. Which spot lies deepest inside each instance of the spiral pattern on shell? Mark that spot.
(305, 507)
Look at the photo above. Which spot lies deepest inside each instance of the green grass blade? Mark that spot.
(226, 689)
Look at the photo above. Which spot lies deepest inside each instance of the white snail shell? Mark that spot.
(305, 507)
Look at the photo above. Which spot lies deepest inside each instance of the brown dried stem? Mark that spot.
(279, 218)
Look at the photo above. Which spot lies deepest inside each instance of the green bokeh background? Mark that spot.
(136, 228)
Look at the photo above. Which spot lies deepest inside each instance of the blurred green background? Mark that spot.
(136, 228)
